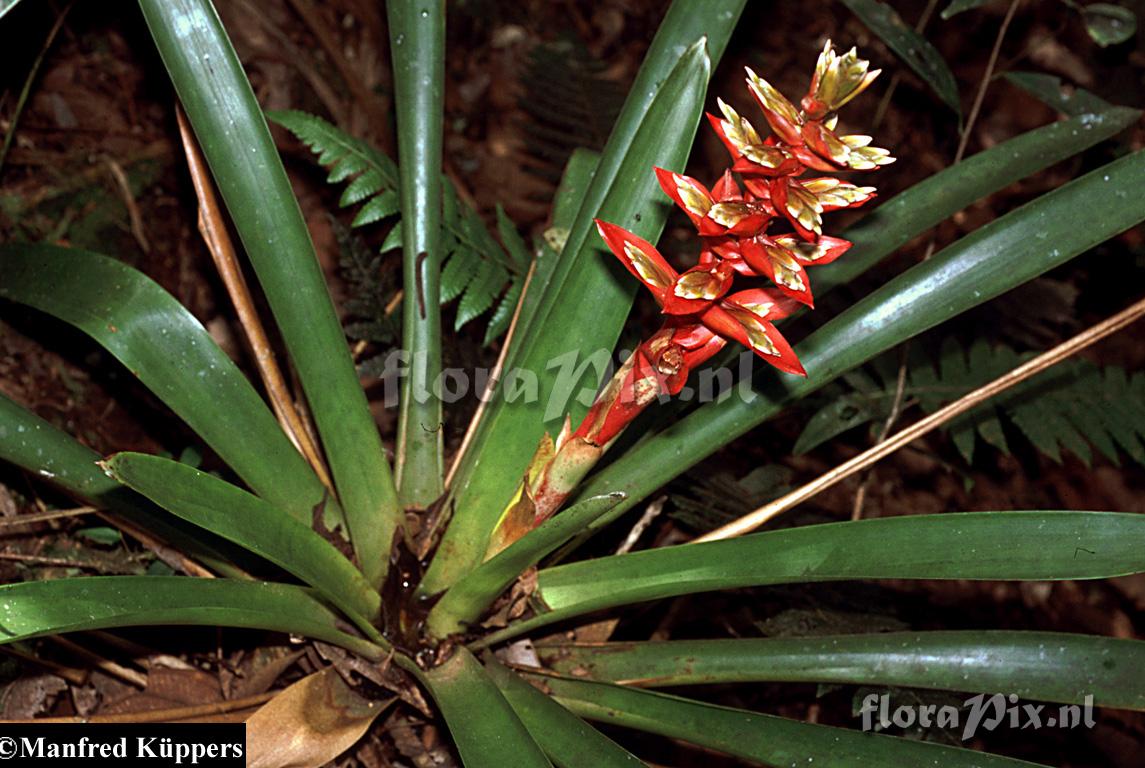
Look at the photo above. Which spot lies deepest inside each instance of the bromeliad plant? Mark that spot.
(325, 555)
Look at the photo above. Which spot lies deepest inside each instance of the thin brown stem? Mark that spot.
(650, 514)
(130, 676)
(26, 90)
(942, 416)
(172, 557)
(963, 141)
(987, 76)
(884, 432)
(59, 562)
(491, 385)
(214, 231)
(133, 214)
(885, 102)
(71, 674)
(43, 517)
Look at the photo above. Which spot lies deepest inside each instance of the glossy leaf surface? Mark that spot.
(35, 608)
(163, 345)
(760, 738)
(36, 446)
(935, 199)
(909, 46)
(1036, 545)
(250, 522)
(485, 729)
(958, 6)
(417, 47)
(236, 142)
(1050, 90)
(566, 739)
(1045, 666)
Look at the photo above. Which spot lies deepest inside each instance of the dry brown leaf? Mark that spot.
(597, 632)
(167, 688)
(262, 670)
(309, 724)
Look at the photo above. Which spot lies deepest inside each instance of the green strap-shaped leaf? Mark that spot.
(586, 301)
(958, 6)
(1051, 91)
(468, 599)
(484, 728)
(1034, 545)
(760, 738)
(417, 47)
(568, 741)
(7, 5)
(252, 523)
(35, 608)
(163, 344)
(238, 147)
(1046, 666)
(935, 199)
(34, 445)
(1108, 23)
(997, 257)
(575, 181)
(909, 46)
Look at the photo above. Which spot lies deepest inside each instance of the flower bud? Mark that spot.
(837, 80)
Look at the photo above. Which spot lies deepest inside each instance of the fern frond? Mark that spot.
(1075, 406)
(569, 104)
(475, 268)
(369, 289)
(337, 150)
(503, 314)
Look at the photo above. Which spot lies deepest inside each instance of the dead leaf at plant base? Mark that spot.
(310, 723)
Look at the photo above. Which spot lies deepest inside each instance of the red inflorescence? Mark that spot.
(739, 235)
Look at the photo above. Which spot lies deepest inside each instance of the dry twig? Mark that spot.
(214, 231)
(963, 141)
(753, 520)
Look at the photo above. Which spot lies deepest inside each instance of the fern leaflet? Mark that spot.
(477, 270)
(1076, 406)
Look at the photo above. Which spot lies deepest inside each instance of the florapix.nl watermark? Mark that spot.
(570, 377)
(978, 713)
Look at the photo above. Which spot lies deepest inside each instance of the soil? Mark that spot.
(95, 163)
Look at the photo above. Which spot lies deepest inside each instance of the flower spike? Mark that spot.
(702, 311)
